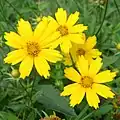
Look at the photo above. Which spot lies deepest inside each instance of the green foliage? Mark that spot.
(26, 100)
(50, 98)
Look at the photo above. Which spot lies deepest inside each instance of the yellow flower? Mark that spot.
(86, 49)
(32, 48)
(88, 81)
(68, 30)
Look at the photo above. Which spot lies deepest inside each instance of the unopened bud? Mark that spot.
(15, 73)
(118, 46)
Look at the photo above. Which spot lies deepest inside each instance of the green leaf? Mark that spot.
(11, 116)
(117, 28)
(109, 60)
(7, 116)
(103, 110)
(43, 5)
(51, 99)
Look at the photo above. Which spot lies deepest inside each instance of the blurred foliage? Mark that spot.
(35, 97)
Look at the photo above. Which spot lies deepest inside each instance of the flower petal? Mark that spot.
(95, 67)
(77, 38)
(74, 51)
(94, 53)
(51, 41)
(77, 95)
(79, 28)
(15, 56)
(55, 43)
(92, 98)
(82, 65)
(105, 76)
(72, 19)
(40, 28)
(25, 29)
(51, 55)
(50, 29)
(89, 58)
(69, 89)
(42, 66)
(14, 40)
(103, 90)
(72, 74)
(26, 66)
(65, 45)
(90, 43)
(61, 16)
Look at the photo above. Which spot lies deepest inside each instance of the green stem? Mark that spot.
(87, 116)
(25, 90)
(35, 110)
(82, 112)
(102, 19)
(117, 6)
(34, 78)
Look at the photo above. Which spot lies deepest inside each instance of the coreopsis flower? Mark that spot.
(51, 118)
(87, 50)
(69, 30)
(88, 81)
(32, 47)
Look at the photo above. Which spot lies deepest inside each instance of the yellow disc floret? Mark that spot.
(86, 82)
(33, 48)
(80, 52)
(63, 30)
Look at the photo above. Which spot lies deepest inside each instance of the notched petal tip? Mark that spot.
(72, 105)
(21, 20)
(77, 13)
(81, 58)
(60, 9)
(66, 70)
(5, 60)
(113, 74)
(62, 94)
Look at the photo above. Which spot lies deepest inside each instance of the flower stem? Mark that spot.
(117, 6)
(87, 116)
(34, 78)
(82, 112)
(102, 19)
(25, 90)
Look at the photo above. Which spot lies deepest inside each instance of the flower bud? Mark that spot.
(118, 46)
(15, 73)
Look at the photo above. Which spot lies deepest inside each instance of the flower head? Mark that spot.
(88, 81)
(69, 32)
(86, 49)
(32, 48)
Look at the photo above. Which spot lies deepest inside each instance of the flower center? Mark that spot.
(63, 30)
(33, 48)
(86, 82)
(81, 52)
